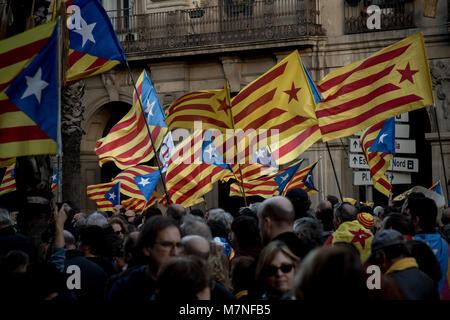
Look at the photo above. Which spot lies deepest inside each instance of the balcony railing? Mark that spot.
(395, 14)
(231, 22)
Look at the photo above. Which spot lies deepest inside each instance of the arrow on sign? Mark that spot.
(355, 160)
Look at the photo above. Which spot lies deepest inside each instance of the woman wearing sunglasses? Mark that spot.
(275, 271)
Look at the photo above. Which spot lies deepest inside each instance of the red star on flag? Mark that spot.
(293, 92)
(223, 105)
(360, 236)
(407, 74)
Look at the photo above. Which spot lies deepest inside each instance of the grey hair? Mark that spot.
(311, 229)
(69, 239)
(222, 216)
(5, 218)
(254, 206)
(193, 225)
(97, 219)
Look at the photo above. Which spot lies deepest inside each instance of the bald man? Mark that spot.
(195, 245)
(276, 222)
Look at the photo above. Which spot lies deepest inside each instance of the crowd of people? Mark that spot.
(277, 249)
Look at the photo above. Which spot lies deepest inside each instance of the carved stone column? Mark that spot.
(233, 72)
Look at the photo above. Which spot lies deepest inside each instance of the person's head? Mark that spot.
(423, 213)
(300, 201)
(425, 258)
(445, 219)
(344, 212)
(97, 219)
(131, 254)
(310, 231)
(387, 247)
(323, 204)
(366, 220)
(119, 226)
(276, 215)
(197, 213)
(193, 245)
(118, 210)
(15, 261)
(399, 222)
(92, 240)
(183, 279)
(191, 225)
(276, 268)
(242, 273)
(326, 217)
(411, 197)
(159, 239)
(218, 264)
(222, 216)
(245, 232)
(330, 274)
(333, 199)
(150, 212)
(69, 241)
(130, 215)
(5, 218)
(176, 212)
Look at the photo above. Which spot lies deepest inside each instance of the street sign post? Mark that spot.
(362, 178)
(401, 146)
(357, 161)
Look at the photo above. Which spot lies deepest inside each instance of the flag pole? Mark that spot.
(440, 146)
(150, 134)
(143, 209)
(241, 184)
(59, 134)
(334, 170)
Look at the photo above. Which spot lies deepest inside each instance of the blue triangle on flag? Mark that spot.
(35, 90)
(147, 183)
(309, 179)
(153, 111)
(113, 195)
(385, 141)
(210, 154)
(283, 179)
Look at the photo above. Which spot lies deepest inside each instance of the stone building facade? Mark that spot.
(196, 45)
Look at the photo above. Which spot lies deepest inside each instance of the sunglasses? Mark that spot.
(119, 232)
(273, 270)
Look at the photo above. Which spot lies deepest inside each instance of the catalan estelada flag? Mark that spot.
(382, 137)
(8, 183)
(211, 107)
(94, 47)
(303, 179)
(28, 91)
(55, 180)
(278, 110)
(187, 177)
(97, 193)
(436, 187)
(139, 205)
(128, 184)
(128, 142)
(390, 82)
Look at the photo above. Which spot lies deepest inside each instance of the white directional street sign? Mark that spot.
(362, 178)
(401, 131)
(401, 146)
(358, 161)
(404, 117)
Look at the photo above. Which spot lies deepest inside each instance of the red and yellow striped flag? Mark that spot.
(378, 162)
(211, 107)
(128, 185)
(19, 135)
(8, 183)
(97, 193)
(249, 171)
(128, 143)
(280, 106)
(188, 178)
(300, 180)
(390, 82)
(139, 205)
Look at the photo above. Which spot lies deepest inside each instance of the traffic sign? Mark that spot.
(363, 178)
(358, 161)
(401, 146)
(401, 131)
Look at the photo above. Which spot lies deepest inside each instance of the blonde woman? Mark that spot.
(275, 271)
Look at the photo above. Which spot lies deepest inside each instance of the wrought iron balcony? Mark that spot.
(232, 22)
(395, 14)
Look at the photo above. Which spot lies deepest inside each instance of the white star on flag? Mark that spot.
(382, 137)
(112, 195)
(210, 151)
(86, 31)
(150, 108)
(35, 85)
(144, 182)
(283, 178)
